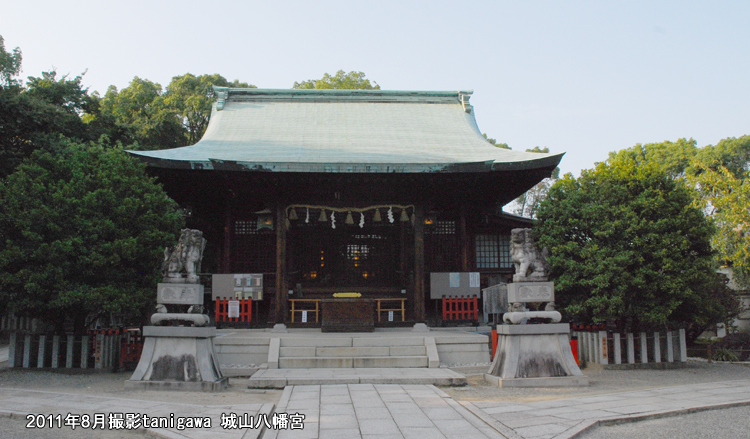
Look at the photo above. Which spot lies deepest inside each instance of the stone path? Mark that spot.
(378, 411)
(18, 403)
(563, 418)
(385, 411)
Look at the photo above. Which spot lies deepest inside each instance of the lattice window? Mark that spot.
(441, 227)
(493, 251)
(252, 251)
(245, 227)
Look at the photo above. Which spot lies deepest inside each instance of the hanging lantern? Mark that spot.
(376, 218)
(404, 217)
(265, 219)
(293, 214)
(323, 216)
(349, 220)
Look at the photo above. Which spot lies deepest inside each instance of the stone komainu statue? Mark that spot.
(530, 262)
(185, 256)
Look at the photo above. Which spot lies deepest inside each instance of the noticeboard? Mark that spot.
(237, 286)
(454, 284)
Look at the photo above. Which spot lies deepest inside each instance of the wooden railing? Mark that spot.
(305, 306)
(399, 305)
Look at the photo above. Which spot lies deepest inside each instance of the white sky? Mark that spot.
(575, 76)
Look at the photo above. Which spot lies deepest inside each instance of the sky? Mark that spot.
(580, 77)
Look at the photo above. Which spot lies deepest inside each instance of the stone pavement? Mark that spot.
(18, 403)
(378, 411)
(389, 411)
(565, 418)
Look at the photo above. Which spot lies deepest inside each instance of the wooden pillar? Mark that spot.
(282, 295)
(419, 273)
(226, 252)
(464, 240)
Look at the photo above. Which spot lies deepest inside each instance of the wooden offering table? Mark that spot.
(348, 315)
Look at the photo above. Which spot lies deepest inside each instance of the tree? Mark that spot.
(628, 246)
(154, 118)
(191, 97)
(82, 230)
(722, 177)
(10, 65)
(46, 108)
(494, 142)
(528, 203)
(349, 81)
(674, 158)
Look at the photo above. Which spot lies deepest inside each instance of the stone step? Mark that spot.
(351, 341)
(374, 351)
(353, 362)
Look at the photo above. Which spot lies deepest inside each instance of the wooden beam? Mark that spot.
(464, 239)
(419, 272)
(282, 295)
(226, 252)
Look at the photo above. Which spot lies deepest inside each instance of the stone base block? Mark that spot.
(534, 356)
(178, 358)
(571, 381)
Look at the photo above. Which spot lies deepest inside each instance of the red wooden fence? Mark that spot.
(222, 310)
(460, 308)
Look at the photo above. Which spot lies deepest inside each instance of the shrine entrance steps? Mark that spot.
(309, 356)
(352, 351)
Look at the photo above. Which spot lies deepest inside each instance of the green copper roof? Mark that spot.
(344, 131)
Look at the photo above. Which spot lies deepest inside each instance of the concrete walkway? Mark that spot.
(565, 418)
(385, 411)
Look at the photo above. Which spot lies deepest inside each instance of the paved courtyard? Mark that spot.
(367, 411)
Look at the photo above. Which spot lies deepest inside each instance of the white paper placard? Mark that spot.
(455, 280)
(304, 316)
(234, 309)
(473, 280)
(390, 316)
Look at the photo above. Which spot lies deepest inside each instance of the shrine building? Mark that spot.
(348, 191)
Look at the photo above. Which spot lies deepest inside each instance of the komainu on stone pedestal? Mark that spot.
(529, 260)
(176, 355)
(185, 256)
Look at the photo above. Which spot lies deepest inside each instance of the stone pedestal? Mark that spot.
(534, 356)
(178, 358)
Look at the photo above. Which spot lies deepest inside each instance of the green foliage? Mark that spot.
(191, 98)
(10, 65)
(82, 230)
(494, 142)
(725, 355)
(674, 158)
(723, 187)
(341, 80)
(143, 113)
(628, 246)
(46, 108)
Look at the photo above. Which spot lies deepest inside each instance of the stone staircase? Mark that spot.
(352, 352)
